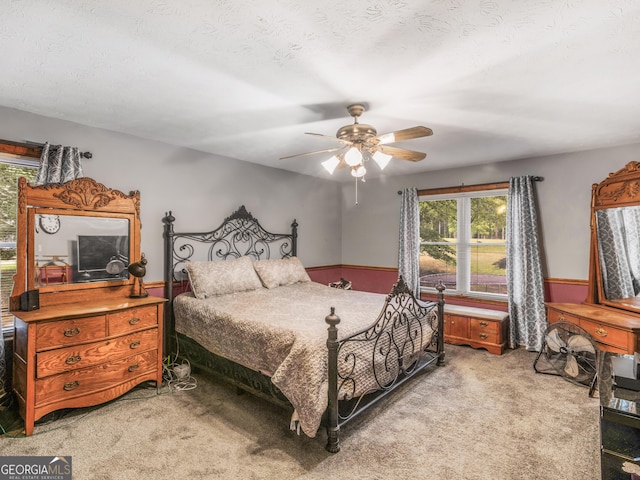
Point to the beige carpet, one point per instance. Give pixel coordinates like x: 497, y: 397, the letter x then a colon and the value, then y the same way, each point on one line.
x: 480, y: 417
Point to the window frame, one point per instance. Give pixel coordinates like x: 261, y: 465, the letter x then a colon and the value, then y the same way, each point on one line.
x: 22, y: 155
x: 463, y: 194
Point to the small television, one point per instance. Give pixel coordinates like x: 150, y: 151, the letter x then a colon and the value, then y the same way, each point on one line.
x: 97, y: 252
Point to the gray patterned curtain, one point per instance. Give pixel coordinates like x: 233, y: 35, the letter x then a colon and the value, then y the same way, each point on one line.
x: 409, y: 242
x: 58, y: 164
x: 619, y: 250
x: 525, y: 287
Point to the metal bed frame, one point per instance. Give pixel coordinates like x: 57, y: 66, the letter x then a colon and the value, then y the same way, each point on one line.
x: 396, y: 334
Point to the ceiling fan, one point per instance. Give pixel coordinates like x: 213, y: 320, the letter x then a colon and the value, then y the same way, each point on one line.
x: 360, y: 142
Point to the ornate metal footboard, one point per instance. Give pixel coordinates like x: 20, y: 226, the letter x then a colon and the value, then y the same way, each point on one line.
x: 407, y: 337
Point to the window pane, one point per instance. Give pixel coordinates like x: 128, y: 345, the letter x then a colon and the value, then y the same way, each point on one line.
x: 488, y: 267
x: 488, y: 250
x: 438, y: 265
x: 488, y: 218
x: 438, y: 220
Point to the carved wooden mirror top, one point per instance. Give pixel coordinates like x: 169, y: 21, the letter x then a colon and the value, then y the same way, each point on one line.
x: 615, y: 240
x: 73, y: 238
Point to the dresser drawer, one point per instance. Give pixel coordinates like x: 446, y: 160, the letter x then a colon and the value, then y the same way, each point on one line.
x: 69, y: 332
x: 81, y: 356
x: 606, y: 334
x: 132, y: 320
x: 485, y: 331
x: 558, y: 316
x: 93, y: 379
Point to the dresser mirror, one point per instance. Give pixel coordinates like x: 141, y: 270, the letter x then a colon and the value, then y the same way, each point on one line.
x: 615, y: 240
x: 72, y: 249
x: 75, y: 237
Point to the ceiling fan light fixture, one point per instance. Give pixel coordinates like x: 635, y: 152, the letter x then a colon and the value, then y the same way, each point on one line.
x: 358, y: 171
x: 353, y: 157
x: 382, y: 159
x: 331, y: 164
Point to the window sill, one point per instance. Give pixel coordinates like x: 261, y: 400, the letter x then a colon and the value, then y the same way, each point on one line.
x: 498, y: 300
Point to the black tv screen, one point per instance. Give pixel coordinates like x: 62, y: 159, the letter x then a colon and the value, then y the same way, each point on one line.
x: 96, y: 251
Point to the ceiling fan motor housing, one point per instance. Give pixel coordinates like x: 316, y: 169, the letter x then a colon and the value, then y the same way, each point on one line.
x: 357, y: 133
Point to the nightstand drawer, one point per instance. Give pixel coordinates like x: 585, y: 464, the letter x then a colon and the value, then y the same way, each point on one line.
x: 83, y: 356
x: 132, y: 320
x: 68, y: 332
x: 88, y: 380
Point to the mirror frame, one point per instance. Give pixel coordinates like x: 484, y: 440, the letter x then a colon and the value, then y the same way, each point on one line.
x: 82, y: 197
x: 619, y: 189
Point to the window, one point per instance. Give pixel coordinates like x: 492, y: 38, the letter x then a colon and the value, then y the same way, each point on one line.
x: 463, y: 242
x: 10, y: 170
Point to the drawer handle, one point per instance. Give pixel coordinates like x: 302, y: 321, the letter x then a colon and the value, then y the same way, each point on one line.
x: 134, y: 321
x: 601, y: 331
x: 73, y: 359
x: 71, y: 332
x: 133, y: 368
x: 484, y: 336
x: 483, y: 324
x: 135, y: 344
x: 561, y: 318
x: 71, y: 386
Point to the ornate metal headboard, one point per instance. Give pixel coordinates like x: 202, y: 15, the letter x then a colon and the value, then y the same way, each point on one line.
x: 240, y: 234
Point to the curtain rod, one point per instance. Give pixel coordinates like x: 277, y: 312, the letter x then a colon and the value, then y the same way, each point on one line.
x: 29, y: 146
x: 41, y: 145
x: 535, y: 179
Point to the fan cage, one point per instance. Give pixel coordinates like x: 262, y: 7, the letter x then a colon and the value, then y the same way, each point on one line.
x: 569, y: 351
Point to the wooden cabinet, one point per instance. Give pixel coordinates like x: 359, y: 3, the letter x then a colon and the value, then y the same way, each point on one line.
x: 83, y: 354
x: 614, y: 330
x: 476, y: 327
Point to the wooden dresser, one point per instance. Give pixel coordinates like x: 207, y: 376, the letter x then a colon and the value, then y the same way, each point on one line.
x: 84, y: 354
x: 614, y: 330
x: 94, y: 333
x: 476, y: 327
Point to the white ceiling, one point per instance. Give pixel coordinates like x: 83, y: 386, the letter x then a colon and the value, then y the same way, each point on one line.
x: 495, y: 79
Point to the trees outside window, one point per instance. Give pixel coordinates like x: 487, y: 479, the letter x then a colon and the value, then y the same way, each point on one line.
x: 463, y: 242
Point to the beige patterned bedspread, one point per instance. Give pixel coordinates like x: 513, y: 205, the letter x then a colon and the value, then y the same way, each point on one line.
x: 280, y: 332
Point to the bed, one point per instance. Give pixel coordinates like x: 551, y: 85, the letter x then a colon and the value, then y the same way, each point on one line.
x: 244, y: 309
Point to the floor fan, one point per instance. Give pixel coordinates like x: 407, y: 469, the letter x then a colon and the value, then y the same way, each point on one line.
x: 568, y: 350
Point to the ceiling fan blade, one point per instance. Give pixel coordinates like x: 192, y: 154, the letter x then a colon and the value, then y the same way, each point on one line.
x: 402, y: 153
x: 312, y: 153
x: 335, y: 139
x: 406, y: 134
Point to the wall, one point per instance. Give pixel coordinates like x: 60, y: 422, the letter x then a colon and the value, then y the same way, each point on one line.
x: 199, y: 188
x: 370, y: 229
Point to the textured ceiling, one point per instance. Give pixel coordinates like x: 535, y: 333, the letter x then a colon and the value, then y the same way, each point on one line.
x: 494, y: 79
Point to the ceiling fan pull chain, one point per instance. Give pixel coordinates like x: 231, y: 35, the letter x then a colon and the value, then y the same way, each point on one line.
x: 356, y: 191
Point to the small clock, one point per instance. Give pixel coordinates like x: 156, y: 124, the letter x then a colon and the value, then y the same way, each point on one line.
x: 50, y: 223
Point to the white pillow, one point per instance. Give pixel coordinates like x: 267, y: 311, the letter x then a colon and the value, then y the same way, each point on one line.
x: 282, y: 271
x: 208, y: 279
